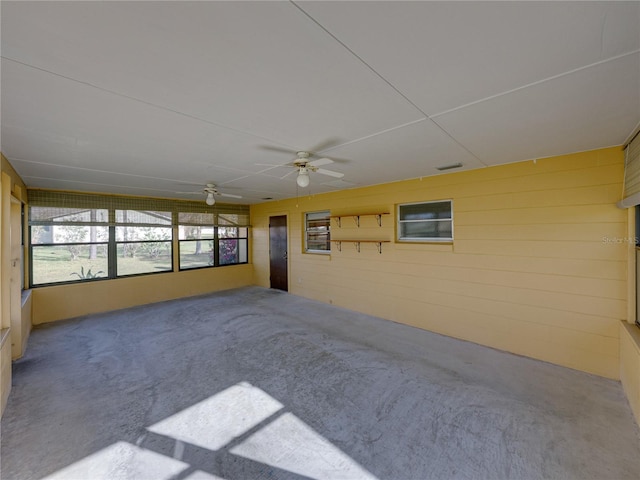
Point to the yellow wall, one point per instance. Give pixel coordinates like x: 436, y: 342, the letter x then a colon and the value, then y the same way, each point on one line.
x: 630, y: 365
x: 13, y: 331
x: 67, y: 301
x: 538, y: 266
x: 530, y: 270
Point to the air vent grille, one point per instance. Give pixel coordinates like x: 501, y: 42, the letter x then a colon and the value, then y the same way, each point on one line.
x: 449, y: 167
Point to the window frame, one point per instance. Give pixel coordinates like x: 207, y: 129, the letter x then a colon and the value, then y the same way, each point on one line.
x: 110, y: 239
x: 113, y: 236
x: 399, y: 222
x: 69, y: 223
x: 184, y: 241
x: 307, y: 231
x: 216, y: 239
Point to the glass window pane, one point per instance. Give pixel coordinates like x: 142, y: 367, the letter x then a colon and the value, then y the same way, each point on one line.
x: 196, y: 254
x: 318, y: 242
x: 243, y: 250
x: 317, y: 225
x: 426, y: 211
x: 227, y: 232
x: 228, y: 251
x: 42, y: 234
x: 143, y: 216
x: 192, y: 232
x: 138, y: 257
x: 69, y: 263
x: 317, y: 215
x: 317, y: 231
x: 426, y: 230
x: 127, y: 234
x: 232, y: 251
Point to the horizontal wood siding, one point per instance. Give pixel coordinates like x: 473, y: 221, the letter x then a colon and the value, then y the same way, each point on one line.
x: 630, y: 365
x: 538, y: 265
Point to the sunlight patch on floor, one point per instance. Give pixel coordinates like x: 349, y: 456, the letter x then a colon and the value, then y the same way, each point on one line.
x: 242, y: 414
x: 122, y: 461
x: 290, y: 444
x: 216, y: 421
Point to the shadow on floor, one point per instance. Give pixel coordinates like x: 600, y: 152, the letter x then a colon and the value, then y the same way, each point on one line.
x: 257, y: 383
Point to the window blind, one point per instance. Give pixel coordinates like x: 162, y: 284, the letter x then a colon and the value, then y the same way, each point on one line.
x: 224, y: 214
x: 631, y: 194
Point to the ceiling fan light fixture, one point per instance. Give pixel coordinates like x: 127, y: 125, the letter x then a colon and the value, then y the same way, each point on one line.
x: 303, y: 178
x: 210, y: 200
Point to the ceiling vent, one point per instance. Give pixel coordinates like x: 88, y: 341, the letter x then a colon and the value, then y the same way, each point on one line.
x: 449, y: 167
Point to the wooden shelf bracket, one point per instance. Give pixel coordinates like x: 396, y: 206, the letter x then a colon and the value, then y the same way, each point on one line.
x: 357, y: 244
x: 356, y: 218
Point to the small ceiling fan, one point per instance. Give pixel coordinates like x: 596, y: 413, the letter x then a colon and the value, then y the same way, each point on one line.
x: 303, y: 166
x: 211, y: 191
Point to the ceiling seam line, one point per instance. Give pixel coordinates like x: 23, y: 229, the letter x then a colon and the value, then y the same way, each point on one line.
x: 117, y: 173
x: 88, y: 183
x: 533, y: 84
x: 381, y: 132
x: 86, y: 169
x: 144, y: 102
x: 109, y: 184
x: 358, y: 57
x: 427, y: 116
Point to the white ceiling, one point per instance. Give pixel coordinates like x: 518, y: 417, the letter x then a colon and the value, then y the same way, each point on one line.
x: 149, y: 98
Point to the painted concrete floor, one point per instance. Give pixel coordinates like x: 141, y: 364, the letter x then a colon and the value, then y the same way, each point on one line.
x: 259, y: 384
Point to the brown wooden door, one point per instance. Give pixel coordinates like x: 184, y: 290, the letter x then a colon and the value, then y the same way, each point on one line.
x: 278, y: 252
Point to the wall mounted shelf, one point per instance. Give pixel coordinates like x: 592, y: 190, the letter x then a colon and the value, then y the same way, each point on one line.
x: 358, y: 242
x: 356, y: 217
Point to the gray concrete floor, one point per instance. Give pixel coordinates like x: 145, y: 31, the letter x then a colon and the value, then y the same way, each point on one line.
x: 258, y: 384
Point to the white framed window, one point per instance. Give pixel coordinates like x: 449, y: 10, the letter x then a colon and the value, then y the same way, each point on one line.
x: 317, y: 226
x: 425, y: 222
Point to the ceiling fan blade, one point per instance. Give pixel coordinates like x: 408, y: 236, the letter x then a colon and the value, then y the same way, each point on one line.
x: 331, y: 173
x: 328, y: 143
x: 199, y: 192
x: 230, y: 195
x: 271, y: 148
x: 268, y: 165
x: 292, y: 171
x: 320, y: 161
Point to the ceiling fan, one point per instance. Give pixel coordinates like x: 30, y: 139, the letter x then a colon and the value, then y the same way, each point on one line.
x: 303, y: 166
x: 211, y: 191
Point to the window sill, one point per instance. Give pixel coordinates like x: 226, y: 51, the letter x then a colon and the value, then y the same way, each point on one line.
x: 25, y: 296
x: 634, y: 334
